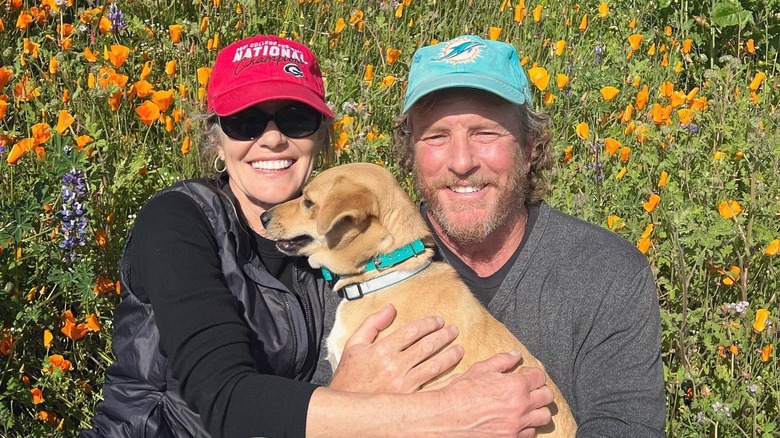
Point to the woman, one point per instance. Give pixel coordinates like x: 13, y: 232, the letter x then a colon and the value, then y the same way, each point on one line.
x: 218, y: 332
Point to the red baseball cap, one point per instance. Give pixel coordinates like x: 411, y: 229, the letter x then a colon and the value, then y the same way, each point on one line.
x: 263, y: 68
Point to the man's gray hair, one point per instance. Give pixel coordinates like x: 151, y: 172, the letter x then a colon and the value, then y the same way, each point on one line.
x: 534, y: 128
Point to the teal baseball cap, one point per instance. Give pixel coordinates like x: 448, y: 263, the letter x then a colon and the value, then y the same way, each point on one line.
x: 471, y: 62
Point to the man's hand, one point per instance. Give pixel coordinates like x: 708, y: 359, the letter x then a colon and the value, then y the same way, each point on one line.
x: 401, y: 362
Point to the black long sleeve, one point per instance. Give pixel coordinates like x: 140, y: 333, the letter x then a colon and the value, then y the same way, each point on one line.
x: 175, y: 265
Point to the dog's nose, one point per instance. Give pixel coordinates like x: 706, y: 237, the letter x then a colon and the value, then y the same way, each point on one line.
x: 265, y: 218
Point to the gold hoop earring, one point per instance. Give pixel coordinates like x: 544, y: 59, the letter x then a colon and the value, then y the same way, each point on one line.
x: 217, y: 169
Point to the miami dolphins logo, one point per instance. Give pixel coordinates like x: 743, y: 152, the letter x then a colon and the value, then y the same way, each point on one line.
x: 458, y: 51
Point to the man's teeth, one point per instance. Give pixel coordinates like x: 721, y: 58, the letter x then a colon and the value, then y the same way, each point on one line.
x: 272, y: 165
x: 469, y: 189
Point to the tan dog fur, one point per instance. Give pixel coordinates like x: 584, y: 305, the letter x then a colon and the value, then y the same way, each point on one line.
x: 358, y: 211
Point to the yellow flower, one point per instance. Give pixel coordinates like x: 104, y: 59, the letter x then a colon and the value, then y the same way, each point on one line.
x: 762, y: 315
x: 729, y: 209
x: 582, y: 130
x: 609, y: 92
x: 47, y: 338
x: 339, y: 26
x: 387, y: 81
x: 621, y: 173
x: 560, y: 46
x: 615, y: 223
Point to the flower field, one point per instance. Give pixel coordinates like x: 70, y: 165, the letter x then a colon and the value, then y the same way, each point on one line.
x: 666, y: 119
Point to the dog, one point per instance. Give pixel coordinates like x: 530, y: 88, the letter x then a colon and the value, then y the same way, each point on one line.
x: 356, y: 221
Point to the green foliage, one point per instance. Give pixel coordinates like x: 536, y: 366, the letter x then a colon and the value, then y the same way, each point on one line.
x: 710, y: 124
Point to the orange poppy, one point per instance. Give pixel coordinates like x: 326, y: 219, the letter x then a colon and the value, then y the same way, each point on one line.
x: 47, y: 338
x: 603, y: 10
x: 387, y: 81
x: 666, y: 89
x: 685, y: 115
x: 6, y: 345
x: 3, y: 108
x: 170, y: 67
x: 60, y: 362
x: 118, y: 55
x: 340, y: 23
x: 729, y: 209
x: 609, y: 92
x: 651, y: 204
x: 494, y: 33
x: 163, y: 99
x: 185, y: 145
x: 71, y: 329
x: 635, y: 40
x: 149, y: 112
x: 561, y: 80
x: 539, y: 77
x: 41, y: 132
x: 369, y: 74
x: 582, y: 130
x: 392, y: 55
x: 560, y: 46
x: 641, y: 98
x: 757, y: 80
x: 615, y: 223
x: 23, y: 20
x: 537, y: 13
x: 520, y: 12
x: 82, y: 141
x: 773, y: 248
x: 611, y: 146
x: 625, y: 153
x: 644, y: 244
x: 5, y: 76
x: 37, y: 396
x: 766, y: 352
x: 64, y: 120
x: 54, y: 65
x: 583, y: 23
x: 751, y: 46
x: 19, y: 149
x: 93, y: 323
x: 686, y: 45
x: 203, y: 75
x: 141, y: 89
x: 103, y: 285
x: 759, y: 324
x: 663, y: 179
x: 175, y: 31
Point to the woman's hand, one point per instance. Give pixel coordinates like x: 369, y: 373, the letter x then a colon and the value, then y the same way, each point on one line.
x: 400, y: 362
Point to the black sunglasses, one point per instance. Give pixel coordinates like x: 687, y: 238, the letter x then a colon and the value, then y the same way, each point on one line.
x: 294, y: 121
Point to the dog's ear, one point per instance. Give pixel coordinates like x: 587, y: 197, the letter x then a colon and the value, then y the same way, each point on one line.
x: 346, y: 200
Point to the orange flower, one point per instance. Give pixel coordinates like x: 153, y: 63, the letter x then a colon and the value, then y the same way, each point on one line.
x: 520, y: 12
x: 163, y: 99
x: 103, y: 285
x: 537, y: 13
x: 185, y: 145
x: 635, y: 40
x: 751, y: 46
x: 686, y: 45
x: 54, y: 65
x: 387, y: 81
x: 729, y: 209
x: 3, y: 109
x: 82, y: 141
x: 759, y: 324
x: 170, y: 67
x: 582, y: 130
x: 685, y: 115
x: 175, y: 32
x: 369, y: 74
x: 47, y: 338
x: 60, y: 362
x: 105, y: 25
x: 64, y: 120
x: 561, y: 80
x: 641, y: 98
x: 23, y: 20
x: 141, y: 89
x: 644, y: 244
x: 118, y: 55
x: 494, y: 33
x: 611, y: 146
x: 146, y: 70
x: 89, y: 55
x: 149, y: 112
x: 567, y: 154
x: 37, y: 396
x: 609, y: 92
x: 392, y: 55
x: 757, y: 80
x: 71, y: 329
x: 615, y: 223
x: 203, y: 75
x: 539, y: 77
x: 603, y: 10
x: 549, y: 98
x: 773, y: 248
x: 651, y: 203
x: 339, y: 26
x: 666, y: 89
x: 204, y: 24
x: 583, y: 23
x: 625, y: 153
x: 5, y: 76
x: 766, y: 353
x: 662, y: 180
x: 48, y: 417
x: 93, y: 323
x: 560, y: 46
x: 6, y: 344
x: 19, y: 149
x: 100, y: 238
x: 41, y: 133
x: 31, y: 48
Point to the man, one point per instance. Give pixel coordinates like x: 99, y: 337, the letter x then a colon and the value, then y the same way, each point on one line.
x: 581, y: 298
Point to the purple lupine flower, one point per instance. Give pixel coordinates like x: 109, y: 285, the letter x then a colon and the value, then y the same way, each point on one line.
x: 117, y: 18
x: 599, y: 51
x: 73, y: 212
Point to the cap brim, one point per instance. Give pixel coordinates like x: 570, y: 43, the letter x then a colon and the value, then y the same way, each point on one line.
x: 465, y: 80
x: 243, y: 97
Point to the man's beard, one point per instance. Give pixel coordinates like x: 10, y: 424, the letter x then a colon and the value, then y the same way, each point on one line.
x: 511, y: 199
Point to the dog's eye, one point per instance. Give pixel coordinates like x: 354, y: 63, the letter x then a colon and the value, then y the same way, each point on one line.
x: 307, y: 203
